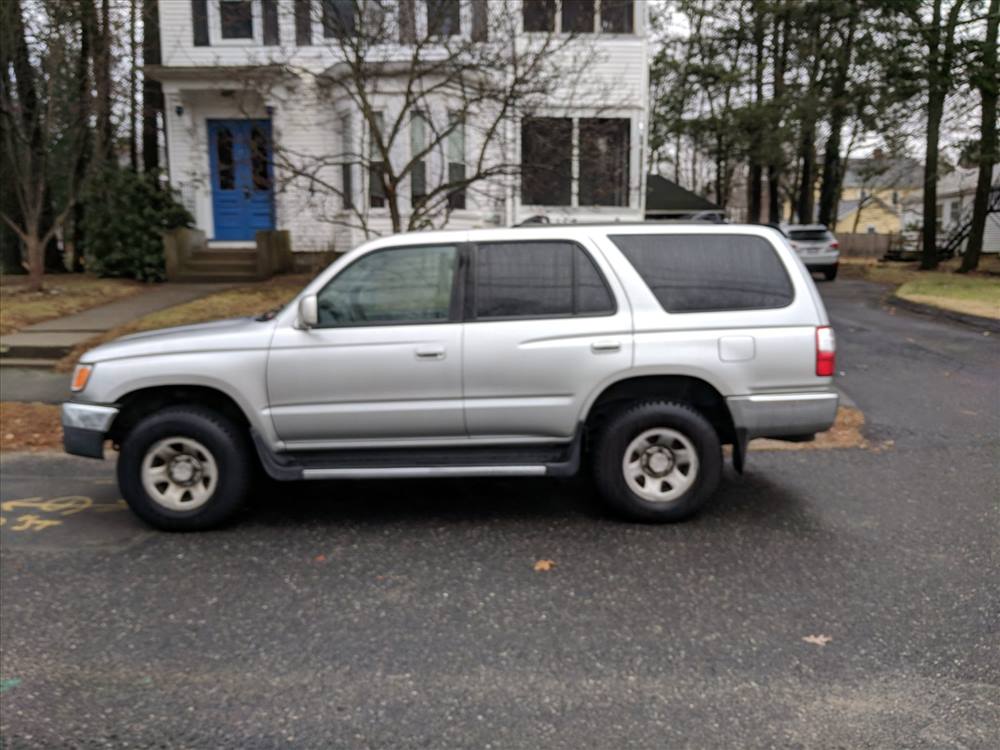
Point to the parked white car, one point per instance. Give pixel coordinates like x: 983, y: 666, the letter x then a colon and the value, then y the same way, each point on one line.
x: 639, y: 350
x: 817, y: 247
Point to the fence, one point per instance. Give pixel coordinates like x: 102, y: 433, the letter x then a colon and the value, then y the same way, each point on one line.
x: 864, y: 245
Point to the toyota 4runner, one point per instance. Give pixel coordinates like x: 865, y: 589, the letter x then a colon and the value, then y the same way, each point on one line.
x: 638, y: 350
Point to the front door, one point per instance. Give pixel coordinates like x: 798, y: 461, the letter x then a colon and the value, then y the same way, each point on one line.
x: 385, y: 361
x: 242, y: 176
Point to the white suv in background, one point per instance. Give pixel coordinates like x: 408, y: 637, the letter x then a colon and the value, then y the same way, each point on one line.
x: 639, y: 350
x: 817, y: 247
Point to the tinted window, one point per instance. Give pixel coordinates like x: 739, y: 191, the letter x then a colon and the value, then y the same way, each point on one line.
x: 691, y: 273
x: 236, y: 18
x: 809, y: 235
x: 537, y: 279
x: 405, y: 285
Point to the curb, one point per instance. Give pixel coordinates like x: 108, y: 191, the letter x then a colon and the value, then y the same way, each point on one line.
x: 974, y: 321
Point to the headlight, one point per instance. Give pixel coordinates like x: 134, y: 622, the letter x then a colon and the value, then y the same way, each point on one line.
x: 80, y: 377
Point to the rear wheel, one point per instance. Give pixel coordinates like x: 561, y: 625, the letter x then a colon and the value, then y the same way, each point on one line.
x: 184, y: 469
x: 831, y: 273
x: 658, y: 461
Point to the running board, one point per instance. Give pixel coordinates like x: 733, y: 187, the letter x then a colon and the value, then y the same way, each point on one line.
x: 558, y: 460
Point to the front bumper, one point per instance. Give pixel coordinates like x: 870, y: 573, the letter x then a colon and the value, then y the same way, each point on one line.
x: 783, y: 415
x: 85, y: 427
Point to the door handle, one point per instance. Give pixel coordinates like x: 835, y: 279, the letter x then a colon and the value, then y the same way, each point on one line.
x: 607, y: 345
x: 430, y: 352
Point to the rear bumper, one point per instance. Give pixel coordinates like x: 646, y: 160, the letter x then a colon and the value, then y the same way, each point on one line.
x: 820, y: 261
x: 85, y: 427
x: 783, y: 415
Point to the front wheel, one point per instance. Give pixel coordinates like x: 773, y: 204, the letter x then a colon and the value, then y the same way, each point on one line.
x: 184, y: 469
x: 658, y: 461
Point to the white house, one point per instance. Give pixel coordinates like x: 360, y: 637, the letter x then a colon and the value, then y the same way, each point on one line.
x: 956, y: 193
x: 244, y: 80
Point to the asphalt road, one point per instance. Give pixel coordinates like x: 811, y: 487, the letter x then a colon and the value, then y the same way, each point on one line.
x: 409, y: 614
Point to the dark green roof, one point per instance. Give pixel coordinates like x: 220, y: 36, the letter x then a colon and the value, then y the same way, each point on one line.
x: 665, y: 195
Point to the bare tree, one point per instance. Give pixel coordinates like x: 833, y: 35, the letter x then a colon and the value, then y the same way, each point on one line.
x: 438, y: 108
x: 42, y: 127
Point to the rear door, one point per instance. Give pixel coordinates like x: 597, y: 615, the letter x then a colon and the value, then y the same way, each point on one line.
x: 546, y: 322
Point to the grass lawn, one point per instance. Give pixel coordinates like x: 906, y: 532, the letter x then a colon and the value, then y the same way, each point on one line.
x: 975, y: 294
x: 64, y: 294
x: 251, y: 299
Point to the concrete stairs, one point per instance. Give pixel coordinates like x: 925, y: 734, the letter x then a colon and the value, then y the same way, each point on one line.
x: 227, y: 265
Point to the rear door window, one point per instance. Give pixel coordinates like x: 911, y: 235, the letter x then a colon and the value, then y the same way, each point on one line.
x: 537, y: 280
x: 702, y: 273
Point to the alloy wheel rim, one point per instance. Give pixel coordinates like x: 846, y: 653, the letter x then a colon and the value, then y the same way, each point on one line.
x: 179, y: 473
x: 660, y: 465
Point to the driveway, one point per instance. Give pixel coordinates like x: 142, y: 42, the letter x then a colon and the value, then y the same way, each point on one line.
x: 826, y: 599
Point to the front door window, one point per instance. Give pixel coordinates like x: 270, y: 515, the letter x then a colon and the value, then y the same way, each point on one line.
x: 392, y: 287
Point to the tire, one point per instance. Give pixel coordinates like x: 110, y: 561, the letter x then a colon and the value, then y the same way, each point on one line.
x: 831, y: 273
x: 662, y: 487
x: 185, y: 456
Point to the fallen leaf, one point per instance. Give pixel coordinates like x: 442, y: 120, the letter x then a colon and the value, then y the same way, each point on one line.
x: 817, y: 640
x: 543, y: 565
x: 319, y: 558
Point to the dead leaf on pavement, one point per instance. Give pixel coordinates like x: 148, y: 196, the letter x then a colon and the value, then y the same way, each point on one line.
x: 817, y: 640
x: 544, y: 565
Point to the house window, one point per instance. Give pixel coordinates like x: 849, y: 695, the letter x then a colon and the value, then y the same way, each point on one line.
x: 604, y: 162
x: 546, y: 161
x: 199, y: 22
x: 338, y: 18
x: 456, y: 162
x: 418, y: 172
x: 616, y: 16
x: 480, y: 20
x: 376, y: 168
x: 269, y: 17
x: 303, y: 22
x: 236, y: 19
x: 578, y: 16
x: 346, y: 165
x: 443, y: 18
x: 539, y: 15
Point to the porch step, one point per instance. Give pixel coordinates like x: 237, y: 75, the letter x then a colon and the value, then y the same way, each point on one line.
x: 206, y: 277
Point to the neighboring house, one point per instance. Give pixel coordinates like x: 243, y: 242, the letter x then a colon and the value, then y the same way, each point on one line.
x: 880, y: 195
x: 955, y: 195
x: 666, y: 200
x: 221, y: 134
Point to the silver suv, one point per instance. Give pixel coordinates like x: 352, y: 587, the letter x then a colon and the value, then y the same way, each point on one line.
x: 499, y: 352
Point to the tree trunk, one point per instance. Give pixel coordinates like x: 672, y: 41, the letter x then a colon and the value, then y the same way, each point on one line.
x: 152, y: 91
x: 83, y: 155
x: 830, y: 185
x: 102, y: 82
x: 36, y: 261
x: 133, y: 148
x: 935, y: 109
x: 987, y: 141
x: 806, y: 201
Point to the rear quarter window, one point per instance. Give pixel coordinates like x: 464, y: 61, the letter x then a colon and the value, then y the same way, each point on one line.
x: 703, y: 273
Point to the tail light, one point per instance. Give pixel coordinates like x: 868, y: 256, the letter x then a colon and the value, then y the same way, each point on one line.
x: 834, y: 244
x: 826, y: 350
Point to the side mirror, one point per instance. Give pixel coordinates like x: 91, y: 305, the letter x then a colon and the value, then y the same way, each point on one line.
x: 309, y: 311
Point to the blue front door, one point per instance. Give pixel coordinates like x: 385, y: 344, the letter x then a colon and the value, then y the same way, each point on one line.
x: 242, y: 177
